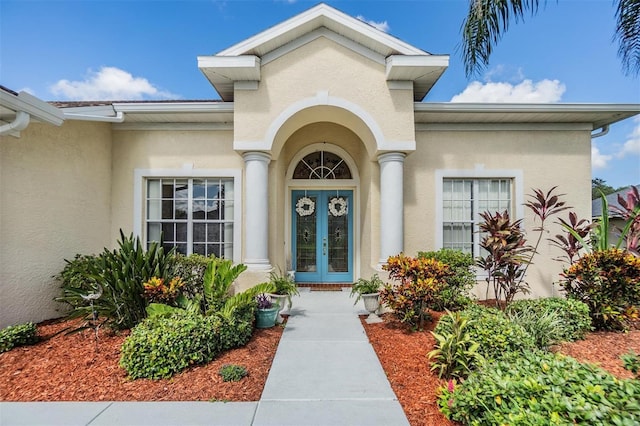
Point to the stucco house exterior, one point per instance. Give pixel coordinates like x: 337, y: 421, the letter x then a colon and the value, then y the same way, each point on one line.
x: 319, y: 156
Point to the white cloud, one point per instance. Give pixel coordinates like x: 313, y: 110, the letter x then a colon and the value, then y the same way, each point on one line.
x: 109, y: 83
x: 598, y: 160
x: 382, y: 26
x: 632, y: 145
x: 544, y: 91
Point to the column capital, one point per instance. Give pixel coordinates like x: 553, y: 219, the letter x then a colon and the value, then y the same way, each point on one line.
x: 391, y: 156
x: 257, y: 156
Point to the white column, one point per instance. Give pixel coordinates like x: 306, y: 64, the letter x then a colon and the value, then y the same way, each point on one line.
x: 391, y: 204
x: 256, y: 229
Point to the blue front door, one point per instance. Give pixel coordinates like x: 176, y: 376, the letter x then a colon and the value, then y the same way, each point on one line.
x: 322, y: 236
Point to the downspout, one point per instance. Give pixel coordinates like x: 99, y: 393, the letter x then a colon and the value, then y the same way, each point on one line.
x: 603, y: 131
x: 19, y: 123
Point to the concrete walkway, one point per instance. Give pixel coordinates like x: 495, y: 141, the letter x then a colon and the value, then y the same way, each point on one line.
x: 325, y: 372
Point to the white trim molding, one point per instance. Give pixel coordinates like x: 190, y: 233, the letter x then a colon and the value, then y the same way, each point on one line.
x: 352, y: 184
x: 187, y: 171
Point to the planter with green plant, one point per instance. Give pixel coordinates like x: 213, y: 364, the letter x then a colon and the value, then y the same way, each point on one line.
x: 266, y: 312
x: 285, y: 287
x: 369, y: 292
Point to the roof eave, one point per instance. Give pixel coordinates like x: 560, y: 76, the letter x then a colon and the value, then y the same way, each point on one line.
x: 36, y: 108
x: 318, y: 16
x: 422, y: 70
x: 223, y: 71
x: 598, y: 115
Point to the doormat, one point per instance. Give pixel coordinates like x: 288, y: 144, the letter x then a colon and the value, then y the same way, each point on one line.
x: 326, y: 287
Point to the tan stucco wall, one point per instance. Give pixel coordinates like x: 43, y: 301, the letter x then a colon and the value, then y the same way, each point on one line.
x: 54, y: 203
x: 164, y: 149
x: 546, y: 159
x: 323, y: 66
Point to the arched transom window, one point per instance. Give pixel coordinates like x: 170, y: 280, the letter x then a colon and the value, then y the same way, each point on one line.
x: 322, y: 165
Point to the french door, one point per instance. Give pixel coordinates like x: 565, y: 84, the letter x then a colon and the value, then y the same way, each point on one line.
x: 322, y: 235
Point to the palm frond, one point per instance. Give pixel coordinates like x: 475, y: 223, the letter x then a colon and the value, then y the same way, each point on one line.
x: 484, y: 26
x: 628, y: 35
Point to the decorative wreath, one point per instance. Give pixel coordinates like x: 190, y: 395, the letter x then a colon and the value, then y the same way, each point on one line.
x: 305, y: 206
x: 338, y: 206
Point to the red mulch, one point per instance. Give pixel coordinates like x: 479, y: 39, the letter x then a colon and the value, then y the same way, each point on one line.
x: 604, y: 349
x: 403, y: 356
x: 70, y: 368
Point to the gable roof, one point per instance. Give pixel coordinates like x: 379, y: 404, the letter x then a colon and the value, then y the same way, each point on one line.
x: 242, y: 61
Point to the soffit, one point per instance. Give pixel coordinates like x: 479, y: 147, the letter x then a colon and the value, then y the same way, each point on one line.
x: 598, y: 115
x: 152, y: 112
x: 178, y: 112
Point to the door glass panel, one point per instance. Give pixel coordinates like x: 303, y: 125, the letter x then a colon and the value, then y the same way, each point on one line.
x: 338, y: 234
x: 306, y: 233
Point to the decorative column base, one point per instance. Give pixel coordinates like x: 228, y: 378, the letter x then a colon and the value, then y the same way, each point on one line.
x: 258, y: 264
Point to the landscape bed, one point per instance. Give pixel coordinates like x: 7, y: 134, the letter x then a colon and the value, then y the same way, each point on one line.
x: 72, y: 368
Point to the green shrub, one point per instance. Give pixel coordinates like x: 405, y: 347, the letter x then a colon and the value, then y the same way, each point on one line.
x: 631, y: 362
x: 537, y: 388
x: 18, y: 335
x: 454, y: 294
x: 162, y: 346
x: 76, y: 278
x: 418, y: 281
x: 608, y: 281
x: 191, y: 269
x: 238, y: 325
x: 232, y: 373
x: 573, y: 315
x: 496, y: 335
x: 454, y: 352
x: 117, y: 277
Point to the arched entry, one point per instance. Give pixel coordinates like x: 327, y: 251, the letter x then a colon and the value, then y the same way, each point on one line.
x: 322, y: 185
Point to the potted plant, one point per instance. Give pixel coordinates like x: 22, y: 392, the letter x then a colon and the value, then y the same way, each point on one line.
x: 285, y: 288
x: 266, y: 312
x: 368, y: 291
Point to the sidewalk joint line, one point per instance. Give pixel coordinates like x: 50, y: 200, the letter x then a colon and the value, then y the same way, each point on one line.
x: 100, y: 413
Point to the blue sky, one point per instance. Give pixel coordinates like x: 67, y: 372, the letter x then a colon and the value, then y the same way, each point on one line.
x: 101, y: 49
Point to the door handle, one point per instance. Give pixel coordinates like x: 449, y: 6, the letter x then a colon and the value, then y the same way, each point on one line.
x: 324, y: 246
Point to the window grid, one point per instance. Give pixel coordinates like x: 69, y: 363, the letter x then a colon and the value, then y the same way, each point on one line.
x: 463, y: 201
x: 192, y: 215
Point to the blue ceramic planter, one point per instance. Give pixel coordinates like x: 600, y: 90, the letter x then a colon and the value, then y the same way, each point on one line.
x: 266, y: 318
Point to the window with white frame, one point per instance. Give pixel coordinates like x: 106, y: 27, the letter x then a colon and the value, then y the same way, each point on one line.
x: 462, y: 202
x: 194, y: 215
